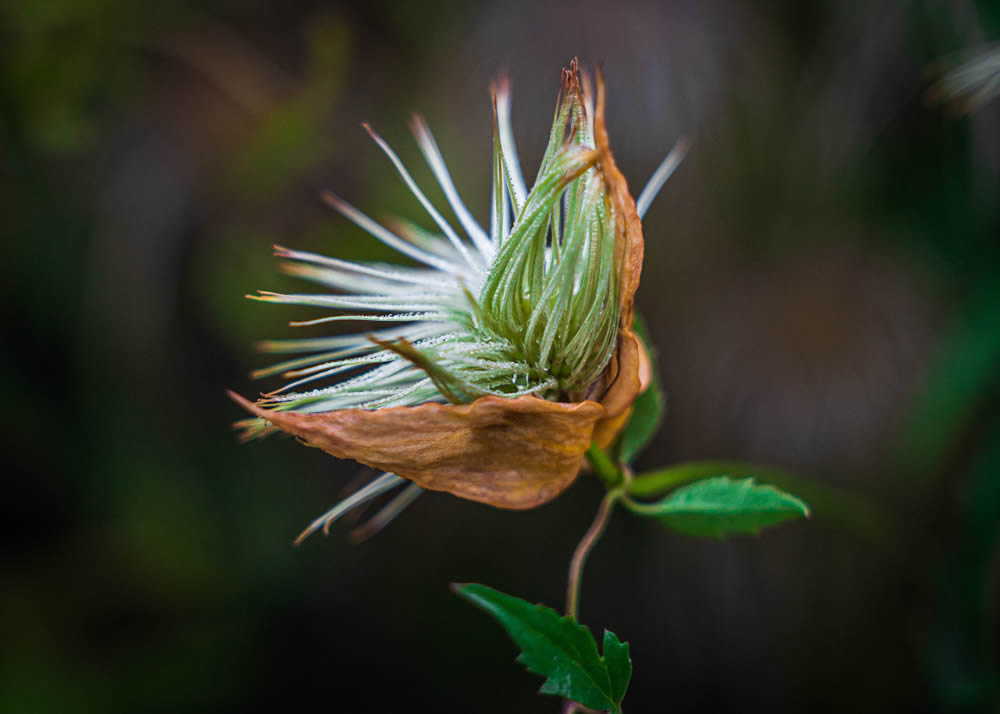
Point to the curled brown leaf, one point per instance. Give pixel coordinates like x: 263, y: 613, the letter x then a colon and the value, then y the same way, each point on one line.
x: 629, y: 245
x: 621, y: 382
x: 509, y: 453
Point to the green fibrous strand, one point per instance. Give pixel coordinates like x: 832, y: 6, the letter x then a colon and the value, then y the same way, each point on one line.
x: 529, y: 307
x: 546, y: 318
x: 552, y: 291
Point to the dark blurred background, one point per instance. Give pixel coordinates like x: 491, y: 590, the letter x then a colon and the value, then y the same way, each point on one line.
x: 821, y: 283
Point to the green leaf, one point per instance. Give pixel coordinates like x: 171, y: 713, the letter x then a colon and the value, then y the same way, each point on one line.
x: 619, y: 664
x: 841, y: 508
x: 647, y: 411
x: 718, y: 506
x: 559, y: 648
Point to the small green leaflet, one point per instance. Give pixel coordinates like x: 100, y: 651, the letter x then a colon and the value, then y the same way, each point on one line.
x: 718, y: 506
x: 559, y: 648
x: 647, y: 411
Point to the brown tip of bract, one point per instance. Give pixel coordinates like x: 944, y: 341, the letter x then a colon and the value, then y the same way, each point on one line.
x: 418, y: 125
x: 629, y: 246
x: 587, y: 83
x: 500, y: 84
x: 571, y: 78
x: 620, y: 384
x: 243, y: 424
x: 245, y: 403
x: 372, y: 133
x: 330, y: 199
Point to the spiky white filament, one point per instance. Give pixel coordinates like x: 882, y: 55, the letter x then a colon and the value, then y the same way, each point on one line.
x: 428, y: 206
x: 663, y: 172
x: 388, y: 512
x: 385, y: 482
x: 541, y: 283
x: 429, y: 147
x: 386, y: 236
x: 508, y: 149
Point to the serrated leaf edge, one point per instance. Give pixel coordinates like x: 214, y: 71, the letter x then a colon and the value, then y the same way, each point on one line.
x: 461, y: 589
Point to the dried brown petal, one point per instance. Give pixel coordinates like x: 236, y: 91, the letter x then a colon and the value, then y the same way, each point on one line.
x: 620, y: 384
x: 509, y: 453
x: 629, y: 244
x: 607, y: 429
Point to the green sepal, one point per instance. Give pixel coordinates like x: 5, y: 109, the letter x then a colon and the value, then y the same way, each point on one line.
x: 719, y: 506
x: 559, y: 648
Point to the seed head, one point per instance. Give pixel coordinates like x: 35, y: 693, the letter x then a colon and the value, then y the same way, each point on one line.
x: 509, y: 351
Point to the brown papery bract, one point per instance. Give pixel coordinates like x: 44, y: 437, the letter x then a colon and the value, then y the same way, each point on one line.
x: 510, y: 453
x: 622, y: 380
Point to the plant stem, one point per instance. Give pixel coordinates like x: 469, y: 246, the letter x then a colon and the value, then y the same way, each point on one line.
x: 604, y: 467
x: 643, y: 509
x: 583, y: 549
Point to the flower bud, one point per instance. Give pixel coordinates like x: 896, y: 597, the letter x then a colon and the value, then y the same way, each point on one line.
x: 509, y: 351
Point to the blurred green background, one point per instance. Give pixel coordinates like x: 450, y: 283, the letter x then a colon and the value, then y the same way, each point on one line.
x: 821, y: 283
